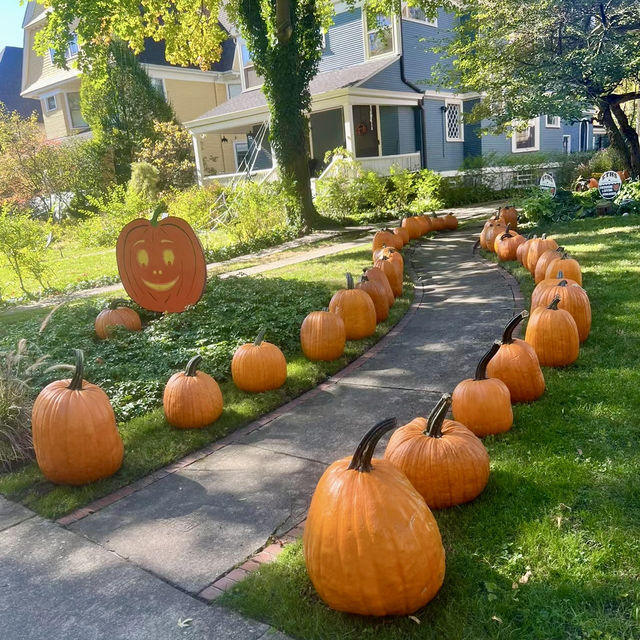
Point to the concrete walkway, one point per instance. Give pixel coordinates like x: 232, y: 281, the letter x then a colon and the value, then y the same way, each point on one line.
x: 136, y: 567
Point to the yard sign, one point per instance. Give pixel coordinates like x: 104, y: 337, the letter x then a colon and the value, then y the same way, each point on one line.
x: 548, y: 183
x: 609, y: 185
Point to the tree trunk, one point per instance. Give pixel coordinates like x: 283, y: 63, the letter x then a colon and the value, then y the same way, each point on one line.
x: 297, y: 172
x: 631, y: 138
x: 615, y: 137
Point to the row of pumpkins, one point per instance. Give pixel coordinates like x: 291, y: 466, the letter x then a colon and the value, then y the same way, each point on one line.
x: 371, y: 544
x: 76, y: 440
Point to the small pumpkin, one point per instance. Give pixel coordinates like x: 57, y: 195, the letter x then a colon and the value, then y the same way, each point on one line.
x: 593, y: 183
x: 483, y: 404
x: 393, y: 273
x: 574, y: 299
x: 537, y: 248
x: 493, y: 232
x: 489, y: 224
x: 516, y: 364
x: 451, y: 222
x: 403, y: 234
x: 116, y: 315
x: 75, y: 436
x: 371, y: 544
x: 323, y: 336
x: 544, y: 261
x: 509, y: 215
x: 356, y: 309
x: 444, y: 460
x: 258, y: 366
x: 373, y: 273
x: 378, y: 297
x: 507, y: 243
x: 192, y: 399
x: 412, y: 226
x: 568, y: 266
x: 553, y: 333
x: 550, y: 282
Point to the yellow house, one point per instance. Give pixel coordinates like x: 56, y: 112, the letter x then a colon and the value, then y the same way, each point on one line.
x: 190, y: 91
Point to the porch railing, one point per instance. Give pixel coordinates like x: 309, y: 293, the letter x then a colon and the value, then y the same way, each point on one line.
x: 259, y: 175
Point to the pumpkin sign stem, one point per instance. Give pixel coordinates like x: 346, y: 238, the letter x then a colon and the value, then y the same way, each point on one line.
x: 554, y: 304
x: 76, y: 381
x: 507, y: 335
x: 156, y: 214
x: 192, y: 365
x: 260, y: 337
x: 481, y: 369
x: 436, y: 417
x: 361, y: 460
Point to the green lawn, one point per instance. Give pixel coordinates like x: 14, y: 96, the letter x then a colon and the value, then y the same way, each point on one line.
x: 551, y: 549
x: 133, y: 367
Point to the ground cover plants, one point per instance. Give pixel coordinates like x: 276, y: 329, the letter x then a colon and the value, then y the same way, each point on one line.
x: 133, y: 367
x: 550, y: 549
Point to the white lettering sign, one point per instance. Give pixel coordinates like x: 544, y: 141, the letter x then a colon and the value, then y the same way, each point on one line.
x: 609, y: 185
x: 548, y: 183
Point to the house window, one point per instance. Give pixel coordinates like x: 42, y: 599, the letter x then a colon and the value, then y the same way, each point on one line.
x: 251, y: 78
x: 416, y: 14
x: 241, y: 149
x: 52, y: 103
x: 75, y: 113
x: 527, y: 139
x: 552, y: 122
x: 584, y: 135
x: 158, y: 85
x: 453, y: 122
x: 379, y: 36
x: 323, y: 40
x: 566, y: 143
x: 71, y: 50
x: 233, y: 90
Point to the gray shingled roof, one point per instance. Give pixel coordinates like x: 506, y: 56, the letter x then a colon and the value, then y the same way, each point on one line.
x: 322, y: 83
x: 11, y: 83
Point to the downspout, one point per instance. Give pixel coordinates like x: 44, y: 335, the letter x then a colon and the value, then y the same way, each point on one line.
x: 421, y: 121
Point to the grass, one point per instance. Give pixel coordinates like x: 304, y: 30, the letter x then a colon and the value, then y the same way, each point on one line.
x: 551, y: 549
x: 134, y: 367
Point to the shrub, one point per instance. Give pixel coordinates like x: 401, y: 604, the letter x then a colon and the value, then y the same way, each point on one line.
x: 606, y: 160
x: 199, y: 206
x: 401, y: 189
x: 628, y: 200
x: 428, y: 185
x: 540, y: 206
x: 144, y: 181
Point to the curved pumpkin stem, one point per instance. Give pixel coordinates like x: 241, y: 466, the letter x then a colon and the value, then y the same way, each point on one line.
x: 260, y: 337
x: 363, y: 278
x: 192, y: 365
x: 507, y: 334
x: 507, y: 232
x: 117, y: 302
x: 76, y: 381
x: 156, y: 214
x: 554, y: 304
x: 481, y: 369
x: 361, y: 460
x: 349, y: 280
x: 436, y: 417
x: 562, y: 283
x: 544, y: 236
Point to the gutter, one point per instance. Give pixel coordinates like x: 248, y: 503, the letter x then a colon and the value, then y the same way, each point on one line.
x: 422, y: 124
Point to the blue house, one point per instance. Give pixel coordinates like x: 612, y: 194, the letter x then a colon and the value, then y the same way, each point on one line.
x: 372, y: 95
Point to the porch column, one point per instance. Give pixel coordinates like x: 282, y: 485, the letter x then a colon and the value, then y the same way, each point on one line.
x: 197, y: 152
x: 348, y: 128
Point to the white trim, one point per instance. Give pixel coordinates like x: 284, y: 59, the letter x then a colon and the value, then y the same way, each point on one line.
x: 395, y: 45
x: 536, y: 147
x: 230, y: 84
x: 193, y: 75
x: 235, y: 151
x: 431, y: 94
x: 459, y: 103
x: 426, y: 22
x: 71, y: 126
x: 568, y: 136
x: 552, y: 126
x: 162, y: 85
x: 46, y: 103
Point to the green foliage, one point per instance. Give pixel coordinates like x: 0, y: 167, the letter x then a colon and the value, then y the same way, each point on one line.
x: 606, y: 160
x: 428, y: 184
x: 144, y: 181
x: 400, y: 189
x: 629, y: 199
x: 199, y: 206
x: 540, y: 206
x: 121, y: 105
x: 22, y: 245
x: 170, y: 151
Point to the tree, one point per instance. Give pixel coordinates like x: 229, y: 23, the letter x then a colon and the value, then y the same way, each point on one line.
x: 120, y: 104
x: 283, y: 36
x: 556, y: 57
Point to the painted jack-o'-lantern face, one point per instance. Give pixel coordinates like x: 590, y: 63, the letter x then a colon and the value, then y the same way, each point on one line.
x: 161, y: 263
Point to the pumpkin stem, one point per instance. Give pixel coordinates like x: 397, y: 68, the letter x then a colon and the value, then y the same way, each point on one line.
x: 544, y: 236
x: 507, y: 335
x: 554, y: 303
x: 507, y: 233
x: 481, y: 369
x: 349, y: 280
x: 260, y: 337
x: 564, y: 255
x: 117, y: 302
x: 363, y: 278
x: 436, y: 417
x: 325, y: 309
x: 562, y: 283
x: 361, y: 460
x: 192, y: 365
x: 76, y: 381
x: 156, y: 213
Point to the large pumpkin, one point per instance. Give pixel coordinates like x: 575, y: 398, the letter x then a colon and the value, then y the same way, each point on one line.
x: 161, y: 263
x: 371, y: 544
x: 116, y: 315
x: 444, y: 461
x: 509, y: 215
x: 523, y: 249
x: 378, y: 297
x: 489, y: 224
x: 451, y: 222
x: 507, y: 243
x: 412, y: 226
x: 548, y: 282
x: 403, y: 234
x: 537, y: 248
x: 544, y: 261
x: 75, y: 437
x: 516, y: 364
x: 553, y: 333
x: 258, y: 366
x: 386, y: 238
x: 393, y: 272
x: 568, y: 266
x: 192, y: 399
x: 492, y: 233
x: 322, y: 335
x: 373, y: 273
x: 356, y: 309
x: 483, y: 404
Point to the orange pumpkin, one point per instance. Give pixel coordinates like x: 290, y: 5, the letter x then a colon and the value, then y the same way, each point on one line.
x: 493, y: 232
x: 412, y: 226
x: 322, y: 336
x: 553, y: 333
x: 437, y: 223
x: 507, y: 243
x: 393, y: 273
x: 378, y: 297
x: 568, y: 266
x: 550, y: 282
x: 403, y: 234
x: 384, y: 250
x: 192, y: 399
x: 75, y: 436
x: 593, y: 183
x: 116, y: 315
x: 444, y: 461
x: 258, y: 366
x: 373, y: 273
x: 509, y: 215
x: 516, y: 364
x: 356, y: 309
x: 544, y: 261
x: 523, y: 249
x: 483, y: 404
x: 161, y: 263
x: 451, y: 222
x: 371, y: 544
x: 386, y: 238
x: 537, y: 248
x: 489, y: 224
x: 574, y: 299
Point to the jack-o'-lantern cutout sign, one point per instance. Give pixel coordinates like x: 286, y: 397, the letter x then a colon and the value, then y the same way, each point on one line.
x: 161, y: 263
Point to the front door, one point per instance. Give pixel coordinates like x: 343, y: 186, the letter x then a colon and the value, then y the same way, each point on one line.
x: 365, y: 127
x: 584, y: 135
